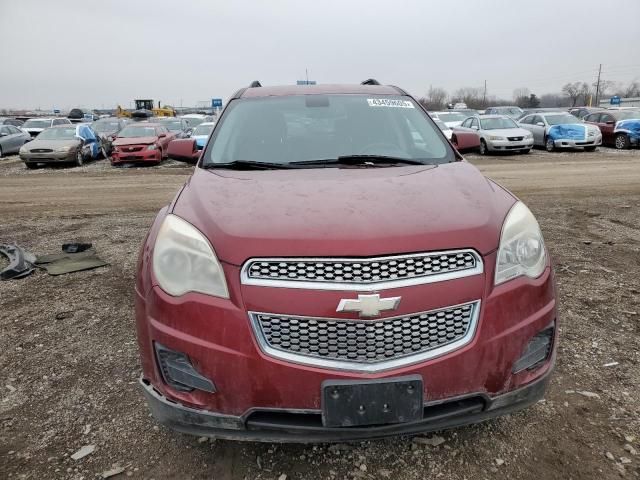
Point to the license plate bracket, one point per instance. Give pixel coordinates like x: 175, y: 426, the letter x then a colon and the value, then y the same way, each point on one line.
x: 353, y: 403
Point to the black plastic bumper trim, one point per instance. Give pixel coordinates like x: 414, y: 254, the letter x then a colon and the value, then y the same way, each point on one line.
x: 254, y: 427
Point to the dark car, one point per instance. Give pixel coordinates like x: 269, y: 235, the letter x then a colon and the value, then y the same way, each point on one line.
x: 620, y: 128
x: 333, y: 271
x: 108, y: 129
x: 176, y: 125
x: 11, y: 121
x: 78, y: 115
x: 581, y: 112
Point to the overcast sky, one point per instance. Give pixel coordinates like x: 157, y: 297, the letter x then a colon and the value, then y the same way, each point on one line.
x: 95, y: 53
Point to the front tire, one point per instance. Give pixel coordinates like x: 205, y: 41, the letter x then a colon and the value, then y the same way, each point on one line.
x: 526, y: 151
x: 483, y: 147
x: 550, y: 145
x: 0, y: 151
x: 31, y: 166
x: 79, y: 158
x: 589, y: 149
x: 622, y: 141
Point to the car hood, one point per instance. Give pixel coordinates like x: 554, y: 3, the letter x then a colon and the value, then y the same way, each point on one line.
x: 51, y: 144
x: 135, y: 141
x: 507, y: 132
x: 345, y: 211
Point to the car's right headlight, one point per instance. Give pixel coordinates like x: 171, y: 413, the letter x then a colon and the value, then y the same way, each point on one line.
x: 495, y: 137
x: 521, y: 250
x: 183, y: 261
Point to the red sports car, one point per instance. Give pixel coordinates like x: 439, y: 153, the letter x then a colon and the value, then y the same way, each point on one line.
x: 141, y: 142
x: 334, y: 270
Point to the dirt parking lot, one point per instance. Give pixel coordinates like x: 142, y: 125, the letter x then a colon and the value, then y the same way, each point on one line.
x: 69, y: 364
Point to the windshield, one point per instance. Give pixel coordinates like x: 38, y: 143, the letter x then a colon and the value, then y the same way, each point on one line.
x: 37, y: 124
x: 202, y: 130
x: 563, y: 119
x: 451, y: 117
x: 497, y: 123
x: 137, y: 131
x: 105, y: 126
x: 68, y: 133
x: 281, y: 130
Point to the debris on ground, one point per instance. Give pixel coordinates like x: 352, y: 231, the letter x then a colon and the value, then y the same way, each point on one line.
x: 62, y: 263
x: 113, y: 472
x: 83, y: 452
x: 20, y: 262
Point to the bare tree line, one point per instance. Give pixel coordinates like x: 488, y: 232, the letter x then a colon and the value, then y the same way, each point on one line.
x: 572, y: 94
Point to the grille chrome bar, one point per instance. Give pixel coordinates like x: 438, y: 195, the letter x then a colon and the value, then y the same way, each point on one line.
x: 362, y: 274
x: 366, y: 345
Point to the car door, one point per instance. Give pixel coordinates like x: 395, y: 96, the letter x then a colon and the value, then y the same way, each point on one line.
x: 18, y: 137
x: 538, y: 130
x: 526, y: 122
x: 607, y: 123
x: 5, y: 140
x: 163, y: 141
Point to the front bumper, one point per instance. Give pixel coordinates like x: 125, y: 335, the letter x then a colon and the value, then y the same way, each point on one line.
x: 564, y: 143
x: 506, y: 145
x: 48, y: 157
x: 143, y: 155
x: 289, y: 426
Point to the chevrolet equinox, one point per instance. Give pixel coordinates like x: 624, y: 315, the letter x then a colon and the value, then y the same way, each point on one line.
x: 334, y: 270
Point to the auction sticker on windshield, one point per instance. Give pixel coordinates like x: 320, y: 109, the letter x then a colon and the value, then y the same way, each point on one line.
x: 386, y: 102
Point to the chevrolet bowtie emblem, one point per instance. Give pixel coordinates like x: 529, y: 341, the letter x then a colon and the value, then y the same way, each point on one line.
x: 368, y: 305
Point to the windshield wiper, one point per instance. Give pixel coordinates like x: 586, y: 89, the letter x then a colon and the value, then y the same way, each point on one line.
x: 360, y: 160
x: 247, y: 165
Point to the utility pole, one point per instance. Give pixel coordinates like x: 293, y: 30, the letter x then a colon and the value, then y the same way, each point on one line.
x: 598, y: 87
x: 484, y: 95
x: 306, y: 71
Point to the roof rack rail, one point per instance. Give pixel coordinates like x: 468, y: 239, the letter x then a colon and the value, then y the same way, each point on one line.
x: 370, y: 81
x: 255, y: 84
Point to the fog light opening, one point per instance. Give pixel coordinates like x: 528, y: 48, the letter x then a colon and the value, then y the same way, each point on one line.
x: 178, y: 372
x: 536, y: 352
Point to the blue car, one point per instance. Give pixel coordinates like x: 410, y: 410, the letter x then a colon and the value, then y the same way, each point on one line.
x: 201, y: 134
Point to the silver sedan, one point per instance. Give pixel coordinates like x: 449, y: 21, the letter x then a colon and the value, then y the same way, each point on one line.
x: 498, y: 133
x: 554, y: 130
x: 11, y: 139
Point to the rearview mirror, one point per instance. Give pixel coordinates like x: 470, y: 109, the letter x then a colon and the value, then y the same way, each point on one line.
x: 540, y: 124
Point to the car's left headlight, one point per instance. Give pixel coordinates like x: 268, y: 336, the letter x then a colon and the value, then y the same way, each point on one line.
x: 528, y: 136
x: 492, y: 137
x: 63, y: 149
x: 184, y: 261
x: 151, y: 147
x: 521, y: 249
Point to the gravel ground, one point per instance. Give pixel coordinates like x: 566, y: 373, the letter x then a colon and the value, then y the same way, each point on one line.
x: 68, y: 361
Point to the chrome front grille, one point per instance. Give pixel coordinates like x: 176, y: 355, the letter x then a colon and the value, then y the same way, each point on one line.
x: 372, y: 345
x: 345, y: 273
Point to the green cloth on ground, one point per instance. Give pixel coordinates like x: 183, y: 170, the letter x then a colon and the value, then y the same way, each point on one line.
x: 61, y: 263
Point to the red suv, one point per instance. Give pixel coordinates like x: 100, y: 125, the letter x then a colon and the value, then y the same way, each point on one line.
x: 334, y: 270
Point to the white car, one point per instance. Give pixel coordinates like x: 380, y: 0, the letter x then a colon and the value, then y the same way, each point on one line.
x: 498, y: 133
x: 34, y: 126
x: 195, y: 119
x: 450, y: 119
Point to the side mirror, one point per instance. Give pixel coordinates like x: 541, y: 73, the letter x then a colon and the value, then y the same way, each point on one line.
x: 610, y: 122
x: 475, y: 127
x: 540, y: 124
x: 162, y: 135
x: 3, y: 134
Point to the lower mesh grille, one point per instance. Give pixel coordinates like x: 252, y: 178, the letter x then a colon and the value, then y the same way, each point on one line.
x: 329, y: 342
